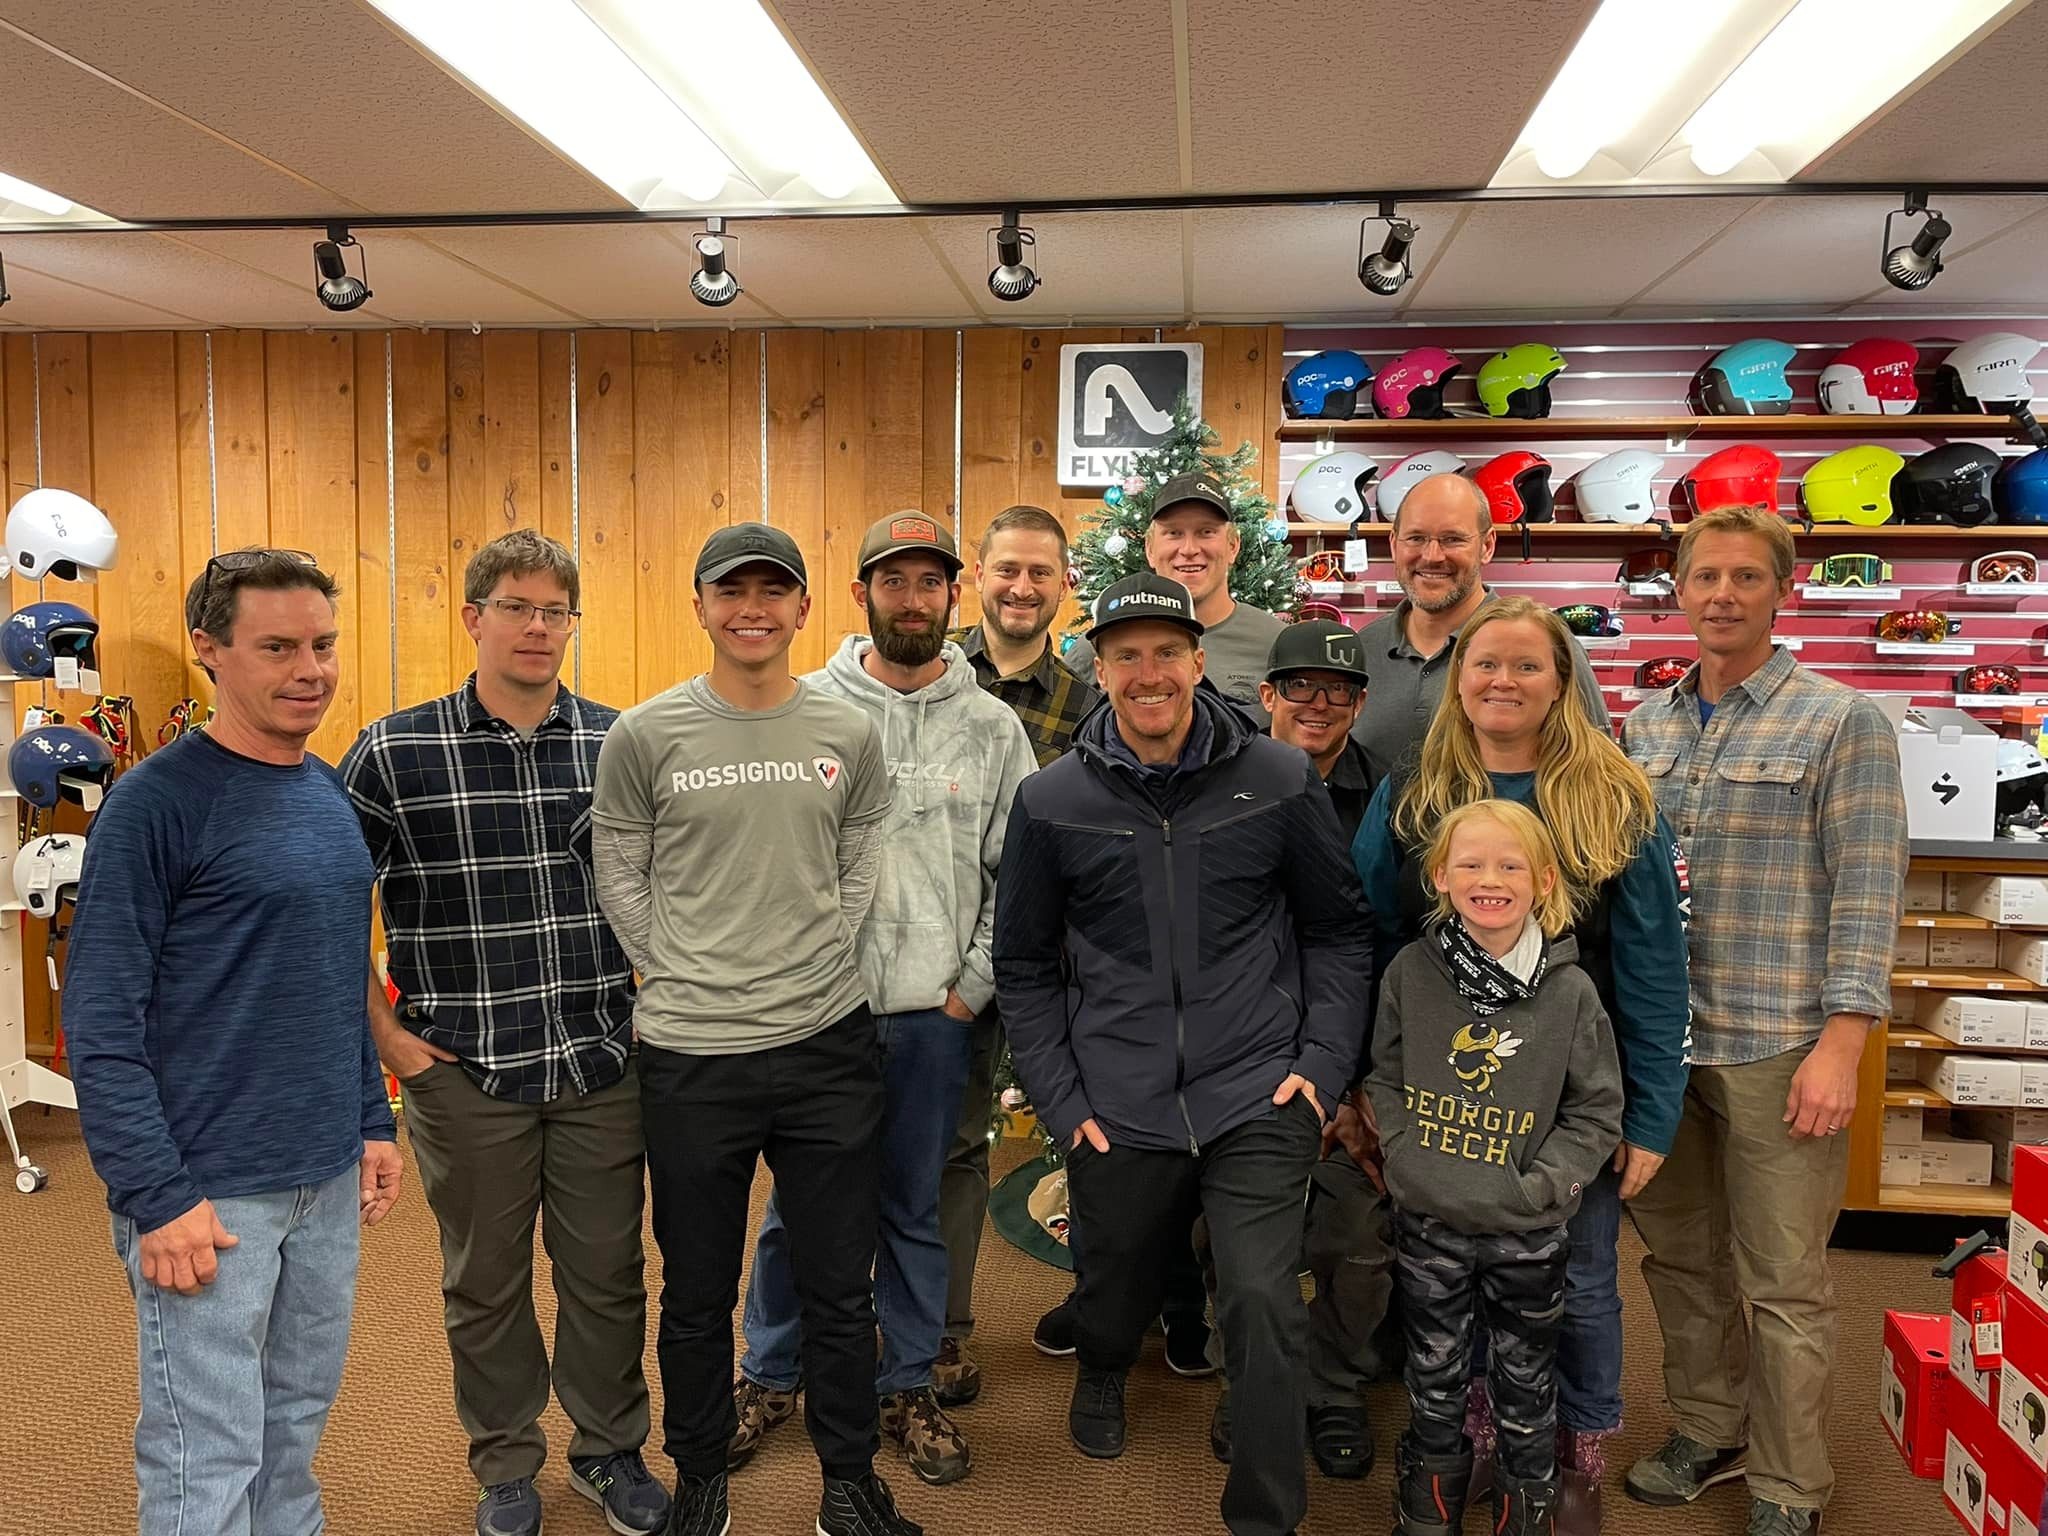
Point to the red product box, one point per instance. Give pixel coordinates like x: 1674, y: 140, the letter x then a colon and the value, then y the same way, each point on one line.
x: 1976, y: 1460
x: 2027, y: 1240
x: 1975, y: 1343
x: 1913, y: 1388
x: 2023, y: 1415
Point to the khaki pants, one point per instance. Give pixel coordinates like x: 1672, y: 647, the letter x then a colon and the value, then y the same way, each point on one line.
x: 1741, y: 1212
x: 489, y: 1167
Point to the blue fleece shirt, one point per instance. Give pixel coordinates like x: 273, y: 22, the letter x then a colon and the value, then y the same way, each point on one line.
x: 215, y: 988
x: 1650, y: 1008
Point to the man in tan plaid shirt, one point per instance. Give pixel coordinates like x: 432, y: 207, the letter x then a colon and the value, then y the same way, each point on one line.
x: 1784, y: 789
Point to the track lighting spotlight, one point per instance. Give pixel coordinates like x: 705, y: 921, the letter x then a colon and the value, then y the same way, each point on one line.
x: 1386, y: 271
x: 333, y: 285
x: 1011, y: 279
x: 3, y: 280
x: 1914, y: 266
x: 713, y: 283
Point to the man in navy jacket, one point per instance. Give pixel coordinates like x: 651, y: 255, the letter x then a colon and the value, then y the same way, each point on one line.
x: 1182, y: 961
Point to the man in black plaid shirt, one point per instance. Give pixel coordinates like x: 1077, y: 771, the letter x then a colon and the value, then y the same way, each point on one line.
x: 513, y: 1041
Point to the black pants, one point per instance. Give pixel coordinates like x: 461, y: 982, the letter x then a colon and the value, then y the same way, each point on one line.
x: 1133, y: 1209
x: 1349, y: 1246
x: 1515, y: 1280
x: 813, y: 1110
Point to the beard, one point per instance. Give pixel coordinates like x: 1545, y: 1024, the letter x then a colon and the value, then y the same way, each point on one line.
x: 1021, y: 629
x: 1459, y: 591
x: 906, y: 648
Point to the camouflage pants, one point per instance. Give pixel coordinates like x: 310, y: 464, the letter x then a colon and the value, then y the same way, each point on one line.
x: 1514, y: 1282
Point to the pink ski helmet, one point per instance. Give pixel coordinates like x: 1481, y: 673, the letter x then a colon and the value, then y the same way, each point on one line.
x: 1413, y: 384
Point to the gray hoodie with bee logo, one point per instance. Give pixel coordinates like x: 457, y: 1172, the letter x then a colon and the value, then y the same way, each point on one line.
x: 1493, y: 1122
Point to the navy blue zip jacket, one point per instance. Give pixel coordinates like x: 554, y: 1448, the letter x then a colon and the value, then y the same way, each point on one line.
x: 1170, y: 945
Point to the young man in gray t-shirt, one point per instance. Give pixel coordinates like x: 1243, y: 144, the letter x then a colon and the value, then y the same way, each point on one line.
x: 738, y: 822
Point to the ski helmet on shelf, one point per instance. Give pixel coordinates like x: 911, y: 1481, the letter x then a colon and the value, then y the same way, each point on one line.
x: 46, y: 872
x: 1407, y: 473
x: 1949, y: 484
x: 35, y: 636
x: 1517, y: 487
x: 1986, y: 375
x: 1413, y: 384
x: 57, y: 762
x: 1332, y: 489
x: 2021, y: 490
x: 54, y: 533
x: 1616, y: 488
x: 1740, y: 475
x: 2019, y: 760
x: 1326, y: 385
x: 1853, y: 486
x: 1747, y: 379
x: 1871, y: 377
x: 1517, y: 382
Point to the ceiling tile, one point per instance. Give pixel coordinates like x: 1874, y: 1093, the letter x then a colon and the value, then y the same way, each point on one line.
x: 164, y: 272
x: 2010, y: 268
x: 849, y: 270
x: 1124, y: 266
x: 41, y: 301
x: 615, y: 274
x: 1289, y: 263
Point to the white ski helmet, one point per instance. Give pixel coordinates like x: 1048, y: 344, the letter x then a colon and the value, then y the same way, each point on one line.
x: 1987, y: 374
x: 1332, y: 489
x: 1616, y: 489
x: 1397, y: 482
x: 46, y: 872
x: 2016, y: 760
x: 55, y: 533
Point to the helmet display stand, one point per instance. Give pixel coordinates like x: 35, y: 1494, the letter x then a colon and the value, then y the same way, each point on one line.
x: 21, y: 1081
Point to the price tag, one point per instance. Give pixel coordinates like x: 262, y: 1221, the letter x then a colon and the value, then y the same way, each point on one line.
x: 51, y: 962
x: 67, y: 674
x: 39, y: 874
x: 1357, y: 558
x: 34, y: 717
x: 1987, y: 1344
x: 89, y: 796
x: 88, y: 680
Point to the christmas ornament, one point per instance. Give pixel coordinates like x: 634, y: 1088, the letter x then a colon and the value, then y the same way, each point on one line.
x: 1276, y: 529
x: 1115, y: 545
x: 1134, y: 485
x: 1114, y: 495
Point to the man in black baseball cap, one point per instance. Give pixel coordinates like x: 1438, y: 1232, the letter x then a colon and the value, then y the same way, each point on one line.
x: 1314, y: 689
x: 740, y: 544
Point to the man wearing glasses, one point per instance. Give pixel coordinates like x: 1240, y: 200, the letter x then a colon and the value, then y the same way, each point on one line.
x: 512, y: 1037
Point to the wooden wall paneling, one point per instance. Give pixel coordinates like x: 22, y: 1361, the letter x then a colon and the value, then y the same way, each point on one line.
x: 17, y: 362
x: 195, y: 498
x: 745, y: 492
x: 796, y: 484
x: 847, y: 502
x: 241, y: 438
x: 607, y: 556
x: 511, y: 431
x: 369, y: 648
x: 941, y: 395
x: 313, y: 485
x: 991, y: 385
x: 1273, y: 354
x: 662, y: 626
x: 716, y: 380
x: 468, y: 524
x: 557, y: 494
x: 429, y: 587
x: 60, y: 396
x: 1039, y: 423
x: 892, y: 392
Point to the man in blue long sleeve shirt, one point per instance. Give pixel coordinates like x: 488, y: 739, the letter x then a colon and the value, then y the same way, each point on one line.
x: 227, y: 1086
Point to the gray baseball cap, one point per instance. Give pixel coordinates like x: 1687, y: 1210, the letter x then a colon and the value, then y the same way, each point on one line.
x: 741, y: 544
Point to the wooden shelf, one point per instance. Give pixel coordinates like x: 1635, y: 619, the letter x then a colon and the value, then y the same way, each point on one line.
x: 1920, y: 1040
x: 1963, y: 920
x: 1946, y: 1199
x: 1555, y: 429
x: 1919, y: 1096
x: 1963, y: 978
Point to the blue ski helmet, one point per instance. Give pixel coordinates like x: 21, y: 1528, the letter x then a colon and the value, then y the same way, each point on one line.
x: 35, y: 636
x: 53, y: 762
x: 1747, y: 379
x: 1326, y: 385
x: 2021, y: 490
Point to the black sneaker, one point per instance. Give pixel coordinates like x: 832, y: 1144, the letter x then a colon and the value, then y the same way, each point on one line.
x: 1340, y: 1440
x: 634, y: 1504
x: 1681, y: 1469
x: 1095, y: 1415
x: 1054, y: 1334
x: 699, y: 1508
x: 861, y: 1506
x: 1187, y: 1346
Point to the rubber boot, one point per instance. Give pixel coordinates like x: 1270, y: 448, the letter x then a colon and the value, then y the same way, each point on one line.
x: 1429, y: 1498
x: 1524, y: 1506
x: 1581, y: 1468
x: 1479, y: 1430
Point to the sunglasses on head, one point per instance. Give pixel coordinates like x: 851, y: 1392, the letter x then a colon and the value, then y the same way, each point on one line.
x: 2005, y: 565
x: 1590, y: 620
x: 1920, y: 626
x: 1644, y: 565
x: 1850, y: 571
x: 1325, y: 565
x: 1662, y: 671
x: 1983, y: 680
x: 1296, y: 689
x: 248, y: 560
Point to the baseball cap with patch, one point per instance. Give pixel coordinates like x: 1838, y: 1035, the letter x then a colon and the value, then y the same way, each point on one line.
x: 901, y: 531
x: 1144, y: 596
x: 1316, y: 645
x: 741, y: 544
x: 1194, y: 487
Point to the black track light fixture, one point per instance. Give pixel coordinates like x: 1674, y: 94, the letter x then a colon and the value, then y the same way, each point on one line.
x: 1912, y: 267
x: 3, y: 280
x: 1011, y: 278
x: 1386, y: 271
x: 713, y: 283
x: 332, y: 284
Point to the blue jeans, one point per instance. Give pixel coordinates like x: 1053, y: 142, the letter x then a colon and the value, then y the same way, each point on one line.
x: 924, y: 1073
x: 237, y: 1380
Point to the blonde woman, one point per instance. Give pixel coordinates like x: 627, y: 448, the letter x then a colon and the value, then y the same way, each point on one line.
x: 1513, y: 727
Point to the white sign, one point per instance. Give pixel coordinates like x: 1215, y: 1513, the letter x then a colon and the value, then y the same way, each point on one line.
x: 1116, y: 400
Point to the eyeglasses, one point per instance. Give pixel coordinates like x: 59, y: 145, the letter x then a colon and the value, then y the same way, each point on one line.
x: 1646, y: 565
x: 1449, y: 543
x: 2005, y: 565
x: 1920, y: 626
x: 520, y: 612
x: 1302, y: 690
x: 1662, y: 671
x: 1850, y: 571
x: 1324, y: 565
x: 1590, y: 620
x: 1982, y: 680
x: 248, y: 560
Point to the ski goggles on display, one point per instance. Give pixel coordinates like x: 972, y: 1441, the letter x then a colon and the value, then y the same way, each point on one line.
x: 1325, y: 565
x: 1850, y: 571
x: 1986, y: 680
x: 1920, y: 626
x: 1308, y: 612
x: 2005, y: 565
x: 1296, y: 689
x: 1644, y: 565
x: 1662, y: 671
x: 1590, y: 620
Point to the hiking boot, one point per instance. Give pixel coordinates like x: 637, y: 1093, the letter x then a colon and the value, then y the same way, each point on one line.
x: 1681, y: 1469
x: 1581, y: 1468
x: 861, y: 1506
x: 759, y: 1409
x: 1219, y: 1428
x: 634, y: 1504
x: 700, y: 1508
x: 1054, y: 1334
x: 1524, y: 1506
x: 956, y: 1379
x: 1429, y: 1498
x: 1479, y: 1430
x: 934, y: 1444
x: 508, y: 1509
x: 1767, y: 1519
x: 1340, y: 1440
x: 1187, y: 1345
x: 1095, y: 1413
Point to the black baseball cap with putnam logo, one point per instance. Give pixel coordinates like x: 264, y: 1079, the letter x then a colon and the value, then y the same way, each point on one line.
x: 1144, y: 596
x: 741, y: 544
x: 1192, y: 489
x: 1316, y: 645
x: 902, y: 531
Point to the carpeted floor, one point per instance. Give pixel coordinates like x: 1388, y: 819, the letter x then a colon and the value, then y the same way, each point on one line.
x: 393, y: 1457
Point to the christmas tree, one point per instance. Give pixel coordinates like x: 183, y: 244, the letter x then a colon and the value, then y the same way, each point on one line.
x: 1111, y: 544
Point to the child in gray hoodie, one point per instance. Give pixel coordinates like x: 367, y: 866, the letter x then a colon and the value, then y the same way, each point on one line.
x: 1498, y: 1095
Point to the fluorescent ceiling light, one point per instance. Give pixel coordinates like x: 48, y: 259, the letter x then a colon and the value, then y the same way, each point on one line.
x: 31, y: 196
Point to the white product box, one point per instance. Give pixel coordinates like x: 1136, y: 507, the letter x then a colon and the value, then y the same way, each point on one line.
x: 1949, y: 765
x: 1952, y: 947
x: 1904, y: 1127
x: 2029, y: 1127
x: 1997, y: 1022
x: 1902, y: 1062
x: 2014, y: 900
x: 1946, y: 1160
x: 1923, y: 891
x: 1909, y: 948
x: 2033, y: 1084
x: 1987, y: 1080
x: 2037, y: 1026
x: 1905, y: 1003
x: 2024, y: 954
x: 1901, y: 1165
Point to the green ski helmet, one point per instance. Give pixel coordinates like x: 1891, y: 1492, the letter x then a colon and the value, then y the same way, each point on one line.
x: 1517, y: 382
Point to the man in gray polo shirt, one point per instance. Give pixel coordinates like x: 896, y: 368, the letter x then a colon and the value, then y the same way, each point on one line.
x: 1442, y: 535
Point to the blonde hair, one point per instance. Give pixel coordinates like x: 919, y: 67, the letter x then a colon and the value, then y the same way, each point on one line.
x: 1553, y: 908
x: 1758, y: 521
x: 1595, y: 803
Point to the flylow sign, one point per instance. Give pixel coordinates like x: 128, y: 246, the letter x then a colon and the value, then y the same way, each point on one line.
x: 1117, y: 400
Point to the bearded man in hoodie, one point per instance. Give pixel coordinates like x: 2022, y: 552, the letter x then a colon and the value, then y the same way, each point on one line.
x: 956, y: 755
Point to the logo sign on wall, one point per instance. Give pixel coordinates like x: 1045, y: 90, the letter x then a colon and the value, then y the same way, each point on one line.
x: 1117, y: 400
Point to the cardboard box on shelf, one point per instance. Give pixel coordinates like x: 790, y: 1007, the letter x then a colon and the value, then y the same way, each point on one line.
x: 1900, y: 1167
x: 2027, y: 1233
x: 1913, y: 1388
x: 1997, y: 1022
x: 2033, y: 1084
x: 1986, y: 1080
x: 2029, y: 1127
x: 1949, y: 765
x: 1904, y: 1127
x: 1946, y: 1160
x: 1902, y: 1062
x: 2037, y: 1025
x: 2013, y: 900
x: 1905, y: 1003
x: 2024, y: 954
x: 1951, y: 947
x: 1925, y: 890
x: 1909, y: 948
